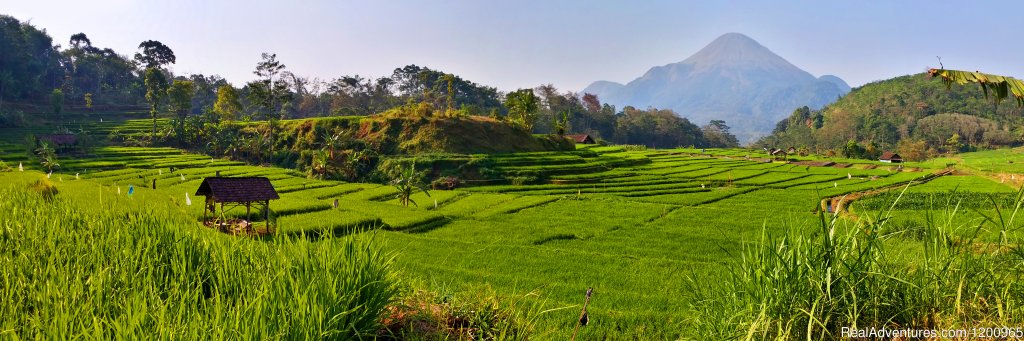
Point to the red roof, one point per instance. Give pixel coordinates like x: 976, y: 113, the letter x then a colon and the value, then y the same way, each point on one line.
x: 890, y: 156
x: 580, y: 138
x: 237, y: 189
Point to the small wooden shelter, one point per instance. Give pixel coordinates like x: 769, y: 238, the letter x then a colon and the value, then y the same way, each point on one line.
x: 581, y: 138
x: 890, y: 157
x: 778, y: 154
x: 237, y: 192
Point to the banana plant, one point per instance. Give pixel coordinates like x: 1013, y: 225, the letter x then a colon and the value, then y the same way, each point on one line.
x: 407, y: 183
x: 1001, y: 87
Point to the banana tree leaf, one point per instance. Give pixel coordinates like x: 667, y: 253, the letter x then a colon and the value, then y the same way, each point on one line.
x: 1000, y: 87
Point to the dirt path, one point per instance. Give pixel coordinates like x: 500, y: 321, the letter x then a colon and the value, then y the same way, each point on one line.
x: 839, y: 203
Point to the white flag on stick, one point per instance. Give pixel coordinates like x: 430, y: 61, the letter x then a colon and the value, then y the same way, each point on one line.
x: 188, y: 201
x: 20, y: 167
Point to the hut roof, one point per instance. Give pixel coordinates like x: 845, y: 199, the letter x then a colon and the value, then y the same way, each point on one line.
x: 581, y: 138
x: 890, y: 156
x: 241, y: 189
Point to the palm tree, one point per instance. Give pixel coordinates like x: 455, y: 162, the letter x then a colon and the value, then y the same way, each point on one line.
x: 407, y: 183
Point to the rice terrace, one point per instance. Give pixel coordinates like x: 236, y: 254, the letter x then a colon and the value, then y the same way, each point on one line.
x: 140, y: 201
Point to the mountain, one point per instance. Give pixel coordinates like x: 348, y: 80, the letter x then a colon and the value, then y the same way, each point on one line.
x: 734, y: 79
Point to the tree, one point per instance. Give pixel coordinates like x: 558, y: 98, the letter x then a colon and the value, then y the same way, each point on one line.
x: 522, y: 108
x: 562, y: 124
x: 80, y: 41
x: 407, y: 183
x: 156, y: 93
x: 227, y: 105
x: 265, y: 91
x: 717, y: 135
x: 57, y: 101
x: 154, y: 54
x: 47, y: 156
x: 853, y: 150
x: 953, y: 142
x: 912, y: 150
x: 179, y: 96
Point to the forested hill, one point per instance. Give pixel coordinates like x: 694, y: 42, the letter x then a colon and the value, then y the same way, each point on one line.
x: 917, y: 110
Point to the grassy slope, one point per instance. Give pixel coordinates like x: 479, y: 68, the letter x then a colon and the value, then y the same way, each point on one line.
x: 636, y: 251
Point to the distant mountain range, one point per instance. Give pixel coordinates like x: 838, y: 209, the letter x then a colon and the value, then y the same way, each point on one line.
x: 733, y: 79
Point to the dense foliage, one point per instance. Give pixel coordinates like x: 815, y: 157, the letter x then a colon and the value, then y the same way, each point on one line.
x: 914, y: 115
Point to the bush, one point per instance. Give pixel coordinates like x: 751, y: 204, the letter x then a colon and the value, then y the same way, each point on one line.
x: 4, y: 167
x: 44, y: 188
x: 446, y: 183
x: 522, y: 180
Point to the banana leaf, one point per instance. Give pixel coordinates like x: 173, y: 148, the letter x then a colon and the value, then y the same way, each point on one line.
x: 1000, y: 86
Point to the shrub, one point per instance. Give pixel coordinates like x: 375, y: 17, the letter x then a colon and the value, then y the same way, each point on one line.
x: 4, y: 167
x: 44, y: 188
x: 446, y: 183
x: 522, y: 180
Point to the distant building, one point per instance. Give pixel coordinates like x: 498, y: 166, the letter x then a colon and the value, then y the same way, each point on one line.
x: 778, y: 154
x: 890, y: 157
x: 581, y: 138
x: 791, y: 150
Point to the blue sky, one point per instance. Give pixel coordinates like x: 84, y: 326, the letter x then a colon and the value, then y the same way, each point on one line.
x: 525, y: 43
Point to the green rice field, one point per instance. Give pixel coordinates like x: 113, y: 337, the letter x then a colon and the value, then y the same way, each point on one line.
x: 640, y: 227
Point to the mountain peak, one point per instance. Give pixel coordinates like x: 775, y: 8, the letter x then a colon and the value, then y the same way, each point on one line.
x: 735, y: 79
x: 736, y: 49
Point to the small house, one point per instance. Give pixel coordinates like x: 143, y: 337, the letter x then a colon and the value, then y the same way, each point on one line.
x: 233, y: 192
x: 890, y: 157
x: 581, y: 138
x: 791, y: 150
x: 778, y: 154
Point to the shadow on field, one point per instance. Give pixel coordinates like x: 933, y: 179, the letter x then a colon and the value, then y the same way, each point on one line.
x: 338, y: 231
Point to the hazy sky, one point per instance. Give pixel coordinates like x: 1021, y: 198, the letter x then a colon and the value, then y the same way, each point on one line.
x: 525, y: 43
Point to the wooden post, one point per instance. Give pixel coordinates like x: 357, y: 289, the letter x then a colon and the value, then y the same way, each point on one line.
x: 247, y: 216
x: 154, y: 183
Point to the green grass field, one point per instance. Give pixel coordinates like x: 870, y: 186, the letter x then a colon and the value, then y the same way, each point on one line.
x: 640, y: 227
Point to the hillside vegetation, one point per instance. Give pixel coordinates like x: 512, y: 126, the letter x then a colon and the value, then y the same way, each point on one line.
x: 915, y: 114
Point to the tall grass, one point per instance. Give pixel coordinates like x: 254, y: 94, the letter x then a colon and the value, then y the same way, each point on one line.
x: 856, y: 274
x: 132, y: 273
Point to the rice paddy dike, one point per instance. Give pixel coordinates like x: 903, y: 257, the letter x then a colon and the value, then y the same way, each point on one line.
x: 638, y: 226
